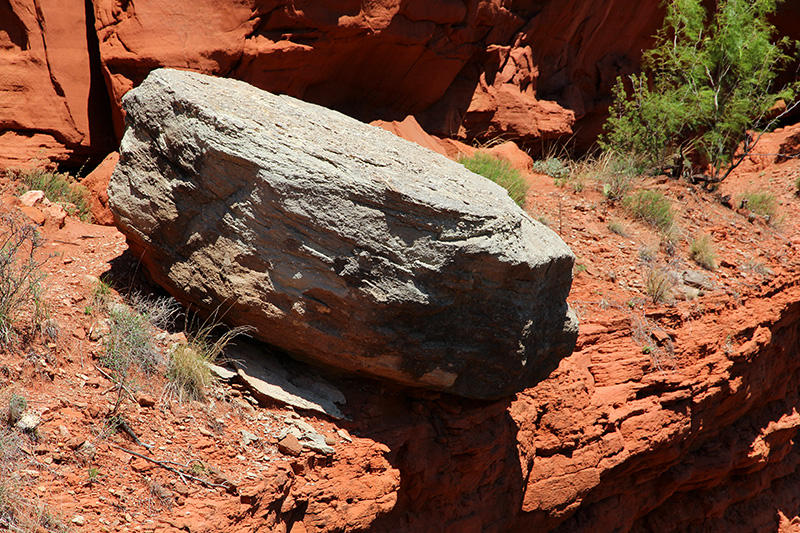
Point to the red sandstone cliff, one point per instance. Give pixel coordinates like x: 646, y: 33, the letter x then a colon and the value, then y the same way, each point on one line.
x: 474, y: 69
x: 483, y: 68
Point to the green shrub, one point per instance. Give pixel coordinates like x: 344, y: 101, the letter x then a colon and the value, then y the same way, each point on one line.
x: 60, y: 188
x: 704, y: 86
x: 20, y: 275
x: 553, y: 167
x: 761, y: 203
x: 651, y: 207
x: 500, y: 172
x: 702, y: 252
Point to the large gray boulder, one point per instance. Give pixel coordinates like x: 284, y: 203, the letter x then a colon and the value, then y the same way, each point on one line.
x: 340, y: 243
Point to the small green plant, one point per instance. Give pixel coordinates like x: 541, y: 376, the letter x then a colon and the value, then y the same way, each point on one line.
x: 500, y: 172
x: 129, y: 342
x: 701, y: 250
x: 578, y: 268
x: 59, y: 188
x: 188, y: 373
x: 797, y: 186
x: 101, y: 291
x: 93, y: 475
x: 553, y: 167
x: 651, y: 207
x: 615, y: 226
x: 761, y: 203
x: 16, y: 407
x: 658, y: 283
x: 20, y: 275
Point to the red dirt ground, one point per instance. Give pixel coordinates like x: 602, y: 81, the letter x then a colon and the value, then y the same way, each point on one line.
x: 62, y: 380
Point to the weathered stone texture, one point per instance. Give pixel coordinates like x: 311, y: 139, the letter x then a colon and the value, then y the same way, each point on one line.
x: 338, y: 241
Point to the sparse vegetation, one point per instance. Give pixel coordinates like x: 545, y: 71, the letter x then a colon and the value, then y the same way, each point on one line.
x: 20, y: 513
x: 616, y: 186
x: 101, y: 291
x: 553, y: 167
x: 17, y: 404
x: 188, y: 372
x: 615, y: 226
x: 797, y: 186
x: 652, y: 207
x: 658, y: 283
x: 761, y: 203
x: 20, y: 275
x: 705, y: 85
x: 758, y: 268
x: 60, y: 188
x: 500, y: 172
x: 93, y: 475
x: 129, y: 342
x: 701, y: 250
x: 648, y: 254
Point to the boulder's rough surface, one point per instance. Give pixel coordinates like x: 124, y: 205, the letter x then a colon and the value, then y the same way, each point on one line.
x: 338, y: 241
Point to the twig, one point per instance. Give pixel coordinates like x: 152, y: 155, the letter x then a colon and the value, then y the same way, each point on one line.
x: 117, y: 384
x: 166, y: 466
x: 122, y: 424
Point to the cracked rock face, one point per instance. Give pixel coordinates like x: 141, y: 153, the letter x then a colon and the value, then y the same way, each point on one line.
x: 337, y: 241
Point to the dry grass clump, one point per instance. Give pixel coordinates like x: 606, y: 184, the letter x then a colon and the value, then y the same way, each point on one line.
x: 701, y: 250
x: 188, y: 370
x: 658, y: 284
x: 20, y: 276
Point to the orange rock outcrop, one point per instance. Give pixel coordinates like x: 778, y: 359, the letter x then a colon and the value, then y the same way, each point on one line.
x: 475, y: 70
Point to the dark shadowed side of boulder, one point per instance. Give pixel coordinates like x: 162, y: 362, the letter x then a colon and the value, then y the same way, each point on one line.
x: 339, y: 242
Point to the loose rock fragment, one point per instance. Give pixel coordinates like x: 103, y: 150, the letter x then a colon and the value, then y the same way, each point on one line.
x: 289, y: 445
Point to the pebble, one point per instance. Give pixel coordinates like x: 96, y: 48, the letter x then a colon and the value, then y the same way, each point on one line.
x: 248, y: 437
x: 78, y: 520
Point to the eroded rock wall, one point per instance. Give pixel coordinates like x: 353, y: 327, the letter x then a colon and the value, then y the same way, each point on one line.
x: 53, y: 101
x: 476, y: 69
x: 706, y: 447
x: 479, y: 69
